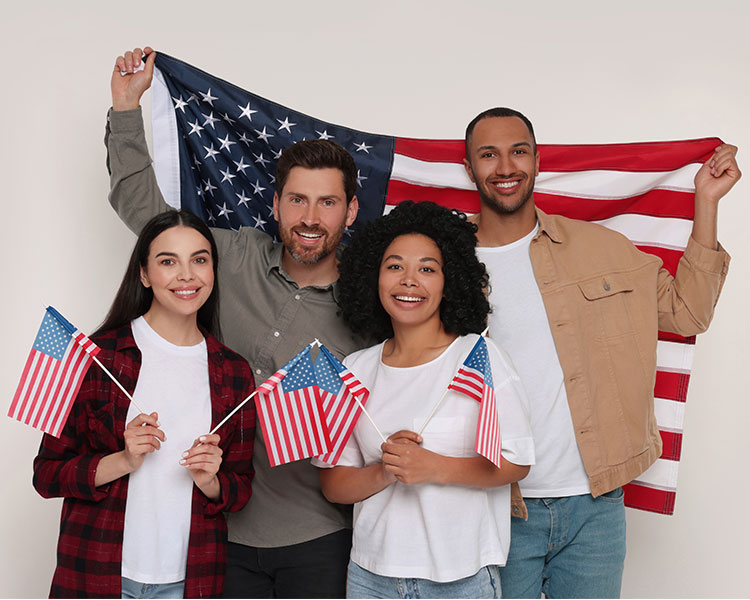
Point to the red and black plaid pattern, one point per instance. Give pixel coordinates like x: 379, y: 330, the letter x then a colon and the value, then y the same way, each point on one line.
x: 89, y: 551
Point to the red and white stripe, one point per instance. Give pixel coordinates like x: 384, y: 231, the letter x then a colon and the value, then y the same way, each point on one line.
x: 341, y: 411
x: 48, y: 386
x: 292, y: 423
x: 644, y: 191
x: 471, y: 382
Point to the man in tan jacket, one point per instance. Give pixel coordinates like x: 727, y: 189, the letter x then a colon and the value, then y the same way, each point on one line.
x: 578, y: 308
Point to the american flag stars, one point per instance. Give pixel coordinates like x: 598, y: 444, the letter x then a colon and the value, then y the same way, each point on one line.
x: 232, y: 139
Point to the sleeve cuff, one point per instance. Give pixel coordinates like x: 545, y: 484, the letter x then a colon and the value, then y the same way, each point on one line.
x: 707, y: 259
x: 519, y: 451
x: 125, y: 121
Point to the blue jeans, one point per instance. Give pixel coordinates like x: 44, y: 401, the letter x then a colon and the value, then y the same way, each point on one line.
x: 571, y: 547
x: 361, y: 583
x: 136, y: 589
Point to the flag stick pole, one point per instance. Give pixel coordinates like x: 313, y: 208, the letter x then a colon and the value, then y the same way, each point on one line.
x: 369, y: 418
x: 236, y: 408
x: 119, y: 385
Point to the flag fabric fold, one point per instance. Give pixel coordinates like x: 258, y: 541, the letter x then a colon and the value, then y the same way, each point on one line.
x: 474, y: 379
x: 52, y: 375
x: 338, y: 389
x: 215, y: 152
x: 290, y: 414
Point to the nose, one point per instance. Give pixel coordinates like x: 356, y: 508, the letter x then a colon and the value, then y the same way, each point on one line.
x: 185, y: 272
x: 310, y: 217
x: 408, y: 278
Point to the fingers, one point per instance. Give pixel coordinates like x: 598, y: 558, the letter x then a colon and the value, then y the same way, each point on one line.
x: 203, y: 455
x: 130, y: 61
x: 723, y: 159
x: 404, y: 437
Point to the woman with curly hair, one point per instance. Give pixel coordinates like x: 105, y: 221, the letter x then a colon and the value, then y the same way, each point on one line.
x: 432, y: 517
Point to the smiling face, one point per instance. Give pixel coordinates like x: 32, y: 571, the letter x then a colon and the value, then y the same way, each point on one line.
x: 179, y: 270
x: 410, y: 282
x: 502, y: 162
x: 312, y: 213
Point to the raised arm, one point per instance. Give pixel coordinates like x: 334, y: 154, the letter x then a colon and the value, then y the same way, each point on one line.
x: 686, y: 301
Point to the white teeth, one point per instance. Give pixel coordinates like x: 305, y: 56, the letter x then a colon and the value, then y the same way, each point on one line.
x: 508, y: 184
x: 185, y: 292
x: 409, y: 299
x: 310, y: 236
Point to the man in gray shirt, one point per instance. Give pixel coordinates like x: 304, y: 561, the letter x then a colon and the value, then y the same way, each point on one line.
x: 288, y: 542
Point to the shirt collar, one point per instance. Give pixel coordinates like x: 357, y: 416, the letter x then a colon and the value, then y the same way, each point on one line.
x: 274, y: 263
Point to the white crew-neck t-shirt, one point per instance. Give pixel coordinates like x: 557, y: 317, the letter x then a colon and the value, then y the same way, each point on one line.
x: 173, y: 381
x: 431, y: 531
x: 519, y: 324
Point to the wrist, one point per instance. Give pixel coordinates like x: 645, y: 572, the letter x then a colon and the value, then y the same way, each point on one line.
x: 120, y: 105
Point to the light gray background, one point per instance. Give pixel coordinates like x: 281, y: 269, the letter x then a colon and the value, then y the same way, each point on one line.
x: 582, y: 71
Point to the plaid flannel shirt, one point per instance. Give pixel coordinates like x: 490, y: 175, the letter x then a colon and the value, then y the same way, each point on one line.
x: 89, y: 551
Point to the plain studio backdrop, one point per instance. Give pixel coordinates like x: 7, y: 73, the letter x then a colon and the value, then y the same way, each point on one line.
x: 584, y: 72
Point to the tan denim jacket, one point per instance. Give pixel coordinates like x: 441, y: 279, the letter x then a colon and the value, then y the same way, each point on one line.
x: 606, y: 302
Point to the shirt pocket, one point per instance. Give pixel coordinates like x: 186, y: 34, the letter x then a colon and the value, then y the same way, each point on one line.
x: 445, y: 435
x: 606, y: 301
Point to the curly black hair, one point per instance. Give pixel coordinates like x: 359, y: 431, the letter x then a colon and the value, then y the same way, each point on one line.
x: 464, y: 307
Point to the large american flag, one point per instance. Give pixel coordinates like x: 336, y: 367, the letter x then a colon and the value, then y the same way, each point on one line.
x: 339, y: 390
x: 216, y: 147
x: 290, y: 413
x: 474, y: 378
x: 52, y: 375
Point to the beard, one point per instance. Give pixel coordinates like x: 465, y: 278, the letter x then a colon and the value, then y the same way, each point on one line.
x: 512, y: 204
x: 311, y: 256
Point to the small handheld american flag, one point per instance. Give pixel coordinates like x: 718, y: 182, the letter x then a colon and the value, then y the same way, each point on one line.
x: 474, y: 378
x: 52, y: 376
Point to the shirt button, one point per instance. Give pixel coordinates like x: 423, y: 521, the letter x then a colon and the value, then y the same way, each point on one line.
x: 606, y: 287
x: 276, y: 334
x: 257, y: 371
x: 296, y: 296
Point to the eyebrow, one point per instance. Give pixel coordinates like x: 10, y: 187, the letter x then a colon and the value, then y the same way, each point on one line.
x: 423, y: 259
x: 516, y: 145
x: 174, y: 254
x: 307, y: 197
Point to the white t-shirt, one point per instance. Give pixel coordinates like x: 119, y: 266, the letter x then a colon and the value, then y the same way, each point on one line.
x: 173, y: 381
x: 519, y: 324
x: 431, y: 531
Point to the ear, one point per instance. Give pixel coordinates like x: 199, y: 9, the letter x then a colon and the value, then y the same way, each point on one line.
x: 469, y: 172
x: 276, y: 207
x: 351, y: 211
x: 537, y: 162
x: 144, y: 278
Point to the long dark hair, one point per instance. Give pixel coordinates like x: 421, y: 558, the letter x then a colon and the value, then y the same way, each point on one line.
x: 133, y: 299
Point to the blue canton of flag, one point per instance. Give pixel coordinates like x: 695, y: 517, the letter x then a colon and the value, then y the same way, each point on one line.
x: 474, y: 378
x: 290, y: 413
x: 52, y: 376
x: 230, y: 140
x: 339, y: 391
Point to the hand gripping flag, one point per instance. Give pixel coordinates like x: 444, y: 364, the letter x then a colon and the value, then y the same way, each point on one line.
x: 52, y: 376
x: 474, y: 378
x: 339, y: 391
x: 290, y: 414
x: 215, y: 153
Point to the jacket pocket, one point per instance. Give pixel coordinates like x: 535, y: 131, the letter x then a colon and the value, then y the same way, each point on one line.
x: 606, y: 298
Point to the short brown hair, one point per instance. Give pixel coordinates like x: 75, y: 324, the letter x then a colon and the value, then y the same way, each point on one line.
x: 318, y: 154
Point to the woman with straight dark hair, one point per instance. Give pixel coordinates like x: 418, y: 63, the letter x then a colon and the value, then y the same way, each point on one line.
x: 145, y: 493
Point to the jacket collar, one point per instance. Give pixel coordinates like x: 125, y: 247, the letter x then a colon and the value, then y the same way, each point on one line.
x: 548, y: 225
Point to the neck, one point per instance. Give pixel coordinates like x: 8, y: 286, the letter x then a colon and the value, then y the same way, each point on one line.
x: 413, y: 345
x: 322, y: 273
x: 180, y: 330
x: 499, y: 229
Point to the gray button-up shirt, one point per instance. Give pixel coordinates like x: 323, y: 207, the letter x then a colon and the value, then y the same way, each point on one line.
x: 265, y: 317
